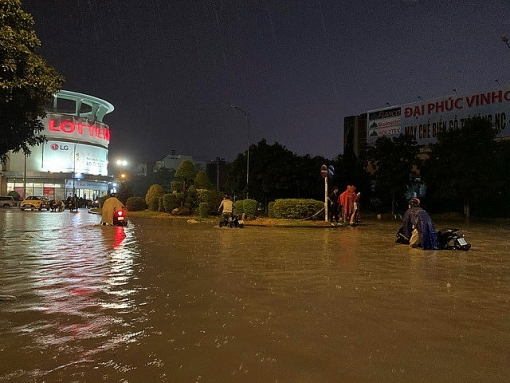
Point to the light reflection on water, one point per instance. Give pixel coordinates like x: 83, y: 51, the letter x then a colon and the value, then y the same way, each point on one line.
x: 170, y: 302
x: 70, y: 276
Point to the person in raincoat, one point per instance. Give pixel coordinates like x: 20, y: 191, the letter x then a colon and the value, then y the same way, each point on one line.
x: 342, y: 204
x: 418, y: 226
x: 109, y: 207
x: 347, y: 200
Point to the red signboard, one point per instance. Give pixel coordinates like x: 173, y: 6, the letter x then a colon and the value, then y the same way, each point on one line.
x: 324, y: 171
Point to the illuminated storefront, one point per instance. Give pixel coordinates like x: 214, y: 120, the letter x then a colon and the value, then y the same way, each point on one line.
x: 73, y: 160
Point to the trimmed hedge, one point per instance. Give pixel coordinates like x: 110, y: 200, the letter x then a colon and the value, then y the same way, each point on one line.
x: 247, y: 206
x: 297, y: 208
x: 169, y: 202
x: 270, y: 209
x: 250, y: 207
x: 239, y: 207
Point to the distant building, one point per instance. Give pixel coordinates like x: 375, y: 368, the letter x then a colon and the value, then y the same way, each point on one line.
x: 355, y: 133
x: 73, y: 160
x: 141, y: 169
x: 424, y: 119
x: 171, y: 161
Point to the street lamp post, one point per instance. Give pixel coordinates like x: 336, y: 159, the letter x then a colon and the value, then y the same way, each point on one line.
x: 247, y: 115
x: 219, y: 160
x: 121, y: 167
x: 120, y: 173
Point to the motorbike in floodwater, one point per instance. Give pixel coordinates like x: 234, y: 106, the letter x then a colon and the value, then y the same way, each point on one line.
x: 451, y: 239
x: 120, y: 218
x: 448, y: 238
x: 231, y: 220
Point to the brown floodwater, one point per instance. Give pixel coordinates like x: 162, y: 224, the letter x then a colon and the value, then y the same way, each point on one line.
x: 168, y: 301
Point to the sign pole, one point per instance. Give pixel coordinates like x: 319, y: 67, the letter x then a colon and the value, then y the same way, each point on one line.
x: 324, y: 174
x: 326, y: 199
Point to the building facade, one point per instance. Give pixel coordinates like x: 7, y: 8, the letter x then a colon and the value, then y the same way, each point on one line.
x: 73, y: 160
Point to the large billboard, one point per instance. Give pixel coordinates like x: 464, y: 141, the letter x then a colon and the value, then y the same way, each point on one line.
x: 384, y: 122
x: 67, y: 157
x: 425, y: 119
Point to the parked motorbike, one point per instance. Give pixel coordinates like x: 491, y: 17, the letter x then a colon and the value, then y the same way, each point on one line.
x: 448, y: 238
x: 231, y: 220
x: 72, y: 205
x: 120, y: 218
x: 401, y: 238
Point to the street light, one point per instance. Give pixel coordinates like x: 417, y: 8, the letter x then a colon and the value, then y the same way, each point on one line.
x: 247, y: 115
x: 121, y: 165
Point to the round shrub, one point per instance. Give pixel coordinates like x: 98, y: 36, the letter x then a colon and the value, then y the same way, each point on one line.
x: 250, y: 207
x: 136, y: 204
x: 152, y: 196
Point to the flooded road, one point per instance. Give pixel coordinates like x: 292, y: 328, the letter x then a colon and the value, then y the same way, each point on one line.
x: 167, y: 301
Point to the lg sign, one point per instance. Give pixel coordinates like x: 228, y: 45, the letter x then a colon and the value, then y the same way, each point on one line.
x: 77, y: 128
x: 59, y: 147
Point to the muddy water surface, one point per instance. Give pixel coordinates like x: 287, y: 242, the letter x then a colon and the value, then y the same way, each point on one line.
x: 167, y: 301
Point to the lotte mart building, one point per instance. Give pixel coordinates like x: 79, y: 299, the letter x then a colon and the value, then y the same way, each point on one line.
x: 73, y: 160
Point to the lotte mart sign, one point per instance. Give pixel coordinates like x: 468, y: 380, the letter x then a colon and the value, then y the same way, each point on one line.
x: 77, y: 129
x: 425, y: 119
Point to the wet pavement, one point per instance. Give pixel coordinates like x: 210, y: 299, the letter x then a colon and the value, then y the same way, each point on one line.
x: 167, y: 301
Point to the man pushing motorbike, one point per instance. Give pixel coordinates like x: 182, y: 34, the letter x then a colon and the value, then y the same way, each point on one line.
x: 418, y: 227
x: 111, y: 205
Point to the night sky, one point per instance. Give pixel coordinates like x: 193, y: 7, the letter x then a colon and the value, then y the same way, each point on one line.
x: 172, y: 69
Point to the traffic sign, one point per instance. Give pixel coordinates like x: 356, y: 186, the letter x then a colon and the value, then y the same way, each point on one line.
x: 324, y: 171
x: 331, y: 171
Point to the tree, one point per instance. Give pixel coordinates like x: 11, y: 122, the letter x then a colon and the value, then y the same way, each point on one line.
x: 466, y: 163
x: 187, y: 172
x: 351, y: 170
x: 276, y: 172
x: 202, y: 181
x: 394, y: 161
x: 27, y: 82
